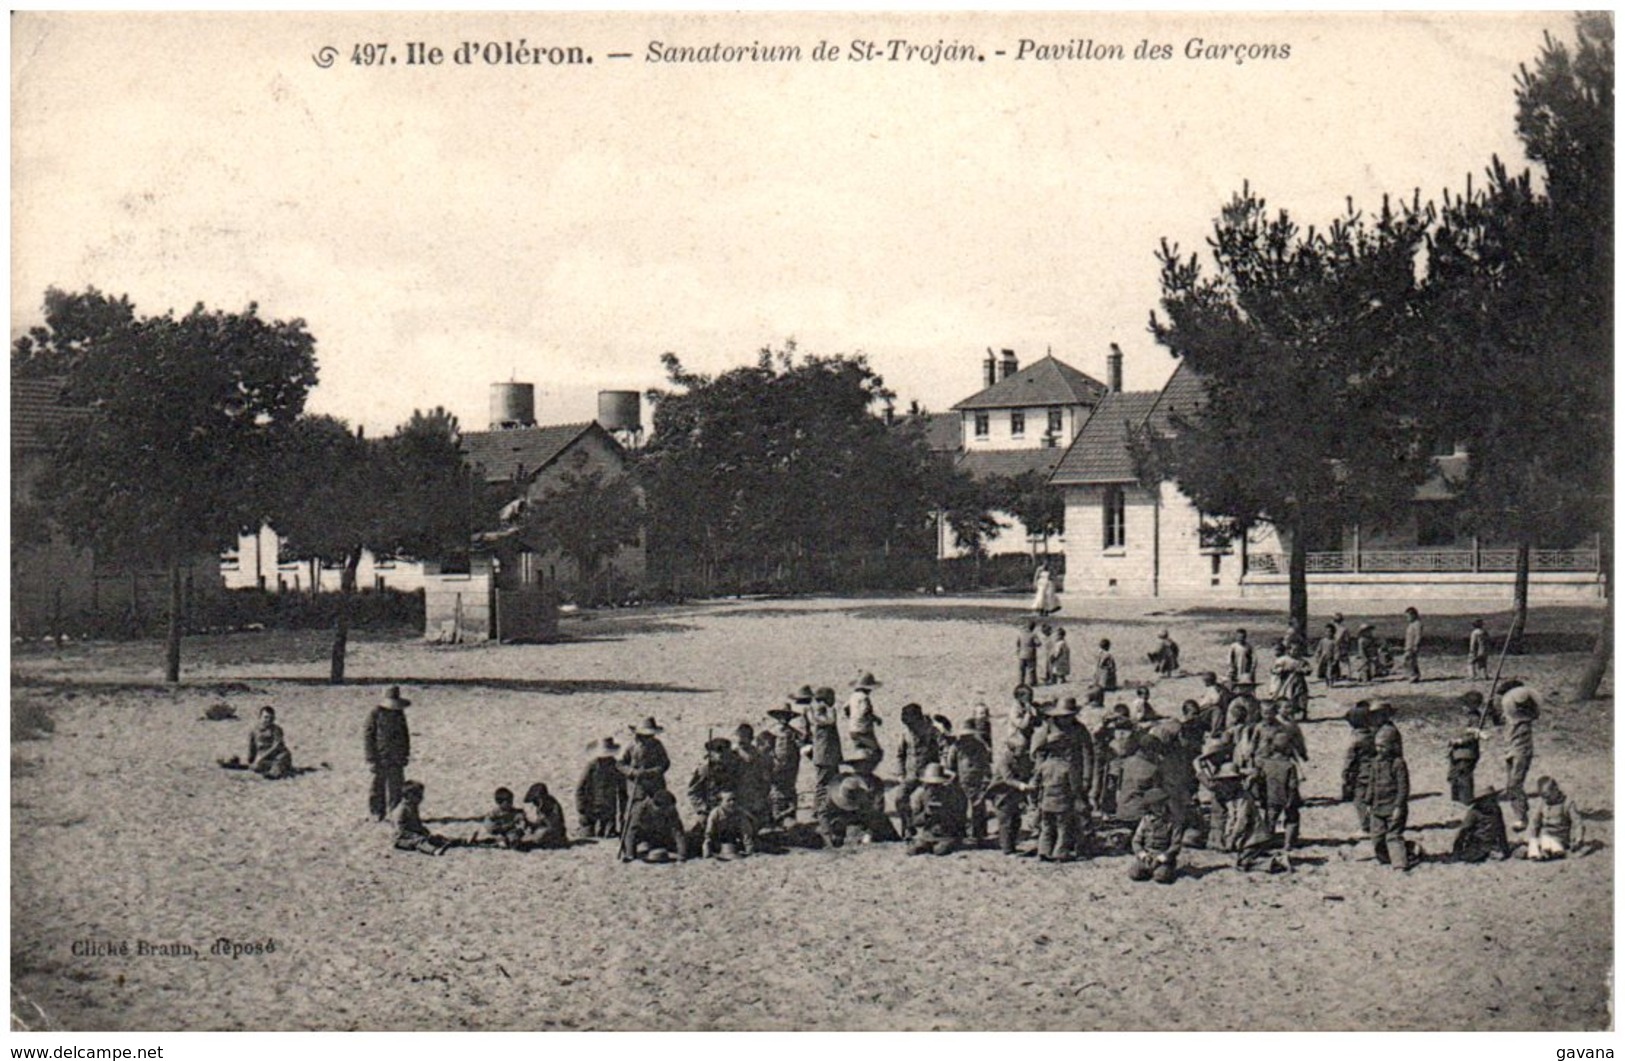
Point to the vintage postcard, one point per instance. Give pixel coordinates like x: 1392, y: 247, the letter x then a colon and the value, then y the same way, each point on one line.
x: 670, y: 522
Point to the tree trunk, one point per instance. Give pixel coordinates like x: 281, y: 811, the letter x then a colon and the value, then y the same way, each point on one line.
x: 1297, y: 581
x: 1603, y: 648
x: 172, y: 640
x: 1520, y: 601
x: 341, y: 618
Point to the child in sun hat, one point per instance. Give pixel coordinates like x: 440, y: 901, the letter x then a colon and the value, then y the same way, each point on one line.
x: 932, y: 813
x: 1156, y: 841
x: 654, y: 830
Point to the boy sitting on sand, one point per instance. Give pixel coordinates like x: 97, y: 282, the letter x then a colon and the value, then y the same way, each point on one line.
x: 1554, y: 826
x: 1156, y: 841
x: 728, y: 829
x: 505, y: 825
x: 1483, y: 831
x: 268, y: 753
x: 654, y: 830
x: 410, y: 834
x: 544, y: 827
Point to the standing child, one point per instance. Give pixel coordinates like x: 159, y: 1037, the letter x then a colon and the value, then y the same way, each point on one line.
x: 1243, y: 665
x: 600, y: 795
x: 1464, y: 750
x: 1060, y: 658
x: 1413, y: 644
x: 1281, y: 782
x: 1478, y: 651
x: 1027, y: 654
x: 1165, y: 657
x: 1056, y: 801
x: 1519, y: 708
x: 388, y: 750
x: 1156, y: 841
x: 1105, y: 668
x: 1388, y: 797
x: 1328, y: 656
x: 1046, y: 645
x: 1012, y: 770
x: 970, y: 761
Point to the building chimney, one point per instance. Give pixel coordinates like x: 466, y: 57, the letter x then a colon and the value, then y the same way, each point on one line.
x: 990, y: 369
x: 1114, y: 370
x: 1007, y: 365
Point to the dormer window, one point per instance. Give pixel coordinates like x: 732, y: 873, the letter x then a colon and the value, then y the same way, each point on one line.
x: 1018, y: 423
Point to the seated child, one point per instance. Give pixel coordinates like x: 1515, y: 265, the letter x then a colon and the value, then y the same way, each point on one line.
x: 505, y: 825
x: 545, y: 825
x: 268, y: 753
x: 1483, y: 831
x: 728, y: 826
x: 1156, y: 841
x: 858, y: 805
x: 1554, y: 825
x: 654, y: 830
x: 410, y: 834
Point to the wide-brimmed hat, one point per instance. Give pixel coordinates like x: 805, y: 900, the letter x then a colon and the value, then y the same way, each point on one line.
x: 1153, y: 796
x: 783, y: 714
x: 852, y: 795
x: 867, y: 681
x: 1060, y: 710
x: 393, y: 698
x: 803, y: 695
x: 1381, y: 707
x: 1227, y: 772
x: 825, y: 694
x: 647, y: 728
x: 934, y: 774
x: 717, y: 744
x: 859, y: 755
x: 657, y: 854
x: 727, y: 852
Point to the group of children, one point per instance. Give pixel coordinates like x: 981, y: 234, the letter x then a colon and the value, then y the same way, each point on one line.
x: 1225, y: 774
x: 1043, y: 656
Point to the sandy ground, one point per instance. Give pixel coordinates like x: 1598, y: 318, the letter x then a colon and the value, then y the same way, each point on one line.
x: 124, y: 829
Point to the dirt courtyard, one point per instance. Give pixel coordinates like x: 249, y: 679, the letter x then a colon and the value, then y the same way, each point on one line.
x: 125, y: 831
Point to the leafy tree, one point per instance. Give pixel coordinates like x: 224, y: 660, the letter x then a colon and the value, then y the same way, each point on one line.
x: 1521, y: 281
x: 587, y: 518
x: 408, y: 496
x: 782, y: 463
x: 1029, y: 497
x: 1303, y: 339
x: 72, y: 321
x: 176, y: 452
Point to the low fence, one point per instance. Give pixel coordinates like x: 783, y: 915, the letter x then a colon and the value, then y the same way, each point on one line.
x: 874, y: 572
x: 1429, y: 561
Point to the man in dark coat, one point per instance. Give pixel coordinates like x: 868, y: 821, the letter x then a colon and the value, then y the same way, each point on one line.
x: 388, y: 750
x: 644, y: 763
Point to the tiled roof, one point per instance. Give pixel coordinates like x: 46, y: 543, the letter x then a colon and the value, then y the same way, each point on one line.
x: 942, y: 432
x: 1100, y: 453
x: 1179, y: 396
x: 520, y: 452
x: 34, y: 408
x: 985, y: 464
x: 1045, y: 382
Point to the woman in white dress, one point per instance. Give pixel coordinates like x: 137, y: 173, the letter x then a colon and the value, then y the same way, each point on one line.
x: 1044, y: 602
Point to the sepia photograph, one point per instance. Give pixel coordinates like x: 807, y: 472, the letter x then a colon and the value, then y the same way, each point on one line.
x: 820, y: 522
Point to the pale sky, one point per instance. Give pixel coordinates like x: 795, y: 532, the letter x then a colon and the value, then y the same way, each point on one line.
x: 444, y: 228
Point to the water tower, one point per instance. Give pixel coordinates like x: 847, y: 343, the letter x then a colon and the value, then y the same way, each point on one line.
x: 513, y: 405
x: 620, y: 413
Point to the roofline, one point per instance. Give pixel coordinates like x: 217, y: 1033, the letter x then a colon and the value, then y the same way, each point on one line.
x: 530, y: 476
x: 967, y: 404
